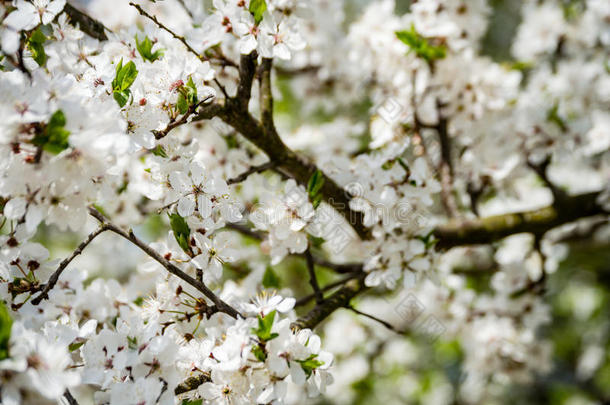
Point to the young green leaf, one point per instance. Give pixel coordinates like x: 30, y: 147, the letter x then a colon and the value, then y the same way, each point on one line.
x: 124, y: 78
x: 159, y: 151
x: 145, y: 50
x: 421, y: 46
x: 259, y: 353
x: 187, y: 96
x: 75, y: 346
x: 270, y: 279
x: 263, y: 332
x: 181, y: 230
x: 257, y: 9
x: 35, y: 44
x: 193, y: 402
x: 5, y: 331
x: 553, y: 116
x: 54, y: 137
x: 314, y: 185
x: 310, y: 364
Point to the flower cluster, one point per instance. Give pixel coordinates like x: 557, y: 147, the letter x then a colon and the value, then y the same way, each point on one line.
x: 171, y: 172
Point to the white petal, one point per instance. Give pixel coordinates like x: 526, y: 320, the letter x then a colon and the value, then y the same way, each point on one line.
x: 25, y: 18
x: 286, y: 305
x: 297, y: 373
x: 204, y: 205
x: 186, y: 206
x: 15, y: 208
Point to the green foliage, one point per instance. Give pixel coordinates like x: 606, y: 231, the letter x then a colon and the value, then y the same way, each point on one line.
x: 187, y: 96
x: 263, y: 332
x: 54, y: 137
x: 310, y: 364
x: 181, y: 230
x: 125, y: 76
x: 35, y: 44
x: 145, y: 50
x: 421, y: 46
x: 259, y: 353
x: 75, y: 346
x: 314, y: 185
x: 553, y: 116
x: 5, y: 331
x: 270, y: 279
x: 192, y: 402
x: 159, y: 151
x: 132, y: 342
x: 257, y: 9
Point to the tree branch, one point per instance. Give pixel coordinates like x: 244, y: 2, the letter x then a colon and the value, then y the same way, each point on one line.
x: 313, y: 279
x: 537, y: 222
x: 44, y: 294
x: 266, y: 97
x: 247, y: 69
x: 220, y: 304
x: 88, y: 25
x: 340, y: 299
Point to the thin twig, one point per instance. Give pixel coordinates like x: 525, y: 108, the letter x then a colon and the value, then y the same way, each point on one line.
x: 559, y: 196
x: 71, y: 400
x: 381, y: 321
x: 62, y: 266
x: 130, y: 236
x: 251, y: 170
x: 163, y: 27
x: 182, y: 120
x: 302, y: 301
x: 188, y: 10
x: 313, y: 279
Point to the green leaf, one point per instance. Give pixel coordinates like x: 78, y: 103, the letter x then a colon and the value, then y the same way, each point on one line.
x: 181, y: 230
x: 145, y: 50
x: 132, y: 342
x: 314, y: 185
x: 310, y: 364
x: 159, y: 151
x: 36, y: 46
x: 263, y: 332
x: 182, y: 104
x: 124, y: 78
x: 259, y: 353
x: 257, y: 9
x: 187, y: 96
x: 193, y: 402
x: 421, y: 46
x: 270, y: 279
x: 5, y: 331
x: 75, y: 346
x: 54, y: 137
x: 121, y: 97
x: 553, y: 116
